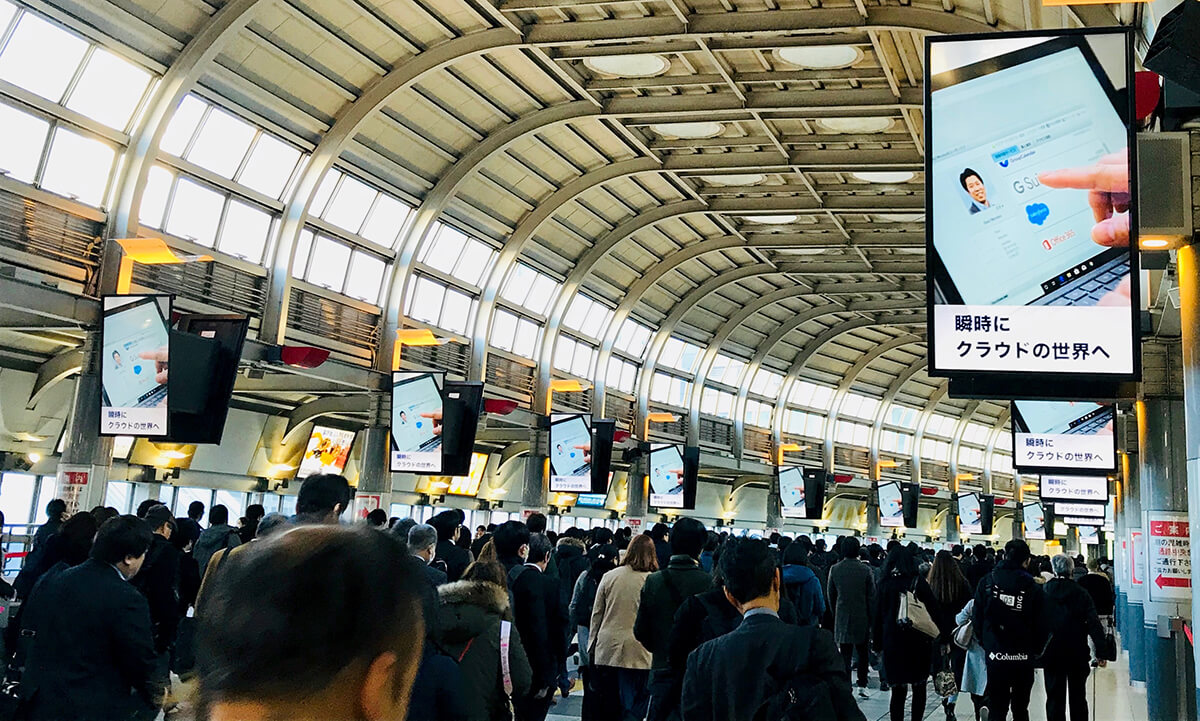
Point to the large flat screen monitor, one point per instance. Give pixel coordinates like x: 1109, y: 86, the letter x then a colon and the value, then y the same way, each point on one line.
x: 1033, y: 516
x: 591, y: 500
x: 970, y: 513
x: 667, y: 481
x: 1064, y: 436
x: 791, y: 492
x: 1089, y: 489
x: 134, y: 363
x: 327, y: 451
x: 891, y: 505
x: 417, y: 422
x: 603, y: 432
x: 1031, y: 233
x: 570, y: 454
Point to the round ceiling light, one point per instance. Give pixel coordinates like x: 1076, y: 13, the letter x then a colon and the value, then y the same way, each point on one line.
x: 691, y: 131
x: 734, y: 179
x: 855, y: 125
x: 900, y: 217
x: 628, y: 66
x: 889, y: 176
x: 821, y: 57
x: 771, y: 219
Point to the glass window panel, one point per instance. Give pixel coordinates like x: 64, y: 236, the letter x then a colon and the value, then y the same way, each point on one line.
x: 16, y: 497
x: 187, y: 495
x: 687, y: 359
x: 21, y: 143
x: 287, y: 505
x: 324, y: 191
x: 195, y: 212
x: 270, y: 165
x: 597, y: 320
x: 222, y: 143
x: 504, y: 329
x: 680, y: 389
x: 270, y: 502
x: 582, y: 363
x: 526, y: 340
x: 473, y: 261
x: 245, y: 232
x: 154, y: 198
x: 166, y: 495
x: 446, y: 249
x: 862, y: 435
x: 386, y: 221
x: 814, y: 425
x: 543, y: 289
x: 724, y: 404
x: 708, y: 401
x: 563, y: 351
x: 7, y: 10
x: 235, y: 501
x: 118, y: 495
x: 328, y: 264
x: 350, y: 204
x: 109, y: 89
x: 41, y: 57
x: 303, y: 247
x: 671, y: 351
x: 366, y: 275
x: 577, y: 312
x: 78, y: 166
x: 976, y: 433
x: 516, y: 288
x: 427, y: 301
x: 660, y: 387
x: 455, y: 310
x: 46, y: 488
x: 183, y: 125
x: 1002, y: 463
x: 899, y: 415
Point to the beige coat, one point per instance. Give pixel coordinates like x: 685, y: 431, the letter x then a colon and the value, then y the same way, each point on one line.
x: 613, y: 615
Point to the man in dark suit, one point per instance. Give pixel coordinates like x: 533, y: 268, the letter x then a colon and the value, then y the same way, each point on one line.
x: 732, y: 677
x: 422, y: 543
x: 537, y: 618
x: 92, y: 656
x: 456, y: 559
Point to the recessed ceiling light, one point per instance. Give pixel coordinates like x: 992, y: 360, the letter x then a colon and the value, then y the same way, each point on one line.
x: 693, y: 131
x: 771, y: 219
x: 821, y: 57
x: 734, y: 179
x: 855, y: 125
x: 889, y: 176
x: 900, y: 217
x: 629, y: 66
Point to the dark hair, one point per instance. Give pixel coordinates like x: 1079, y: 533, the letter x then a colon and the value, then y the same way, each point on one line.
x: 56, y: 509
x: 159, y: 515
x: 947, y: 579
x: 962, y: 177
x: 321, y: 492
x: 255, y: 512
x: 446, y: 523
x: 338, y: 598
x: 748, y: 568
x: 403, y: 527
x: 901, y: 561
x: 509, y: 538
x: 146, y: 505
x: 536, y: 522
x: 956, y: 550
x: 1016, y: 552
x: 712, y: 542
x: 688, y: 537
x: 796, y: 554
x: 464, y: 538
x: 540, y: 548
x: 377, y: 517
x: 659, y: 532
x: 120, y: 538
x: 217, y: 515
x: 601, y: 536
x: 981, y: 551
x: 195, y: 510
x: 76, y: 536
x: 849, y: 547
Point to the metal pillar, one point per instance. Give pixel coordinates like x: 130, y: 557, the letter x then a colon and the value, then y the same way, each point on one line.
x: 1132, y: 635
x: 774, y: 514
x: 82, y: 477
x: 873, y: 527
x: 374, y: 475
x: 635, y: 488
x: 1188, y: 267
x: 951, y: 523
x: 533, y: 493
x: 1163, y: 463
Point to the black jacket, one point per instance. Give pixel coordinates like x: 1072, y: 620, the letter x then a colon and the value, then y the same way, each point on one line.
x: 906, y: 651
x: 1070, y: 618
x: 1100, y: 589
x: 456, y: 559
x: 537, y: 618
x: 977, y: 571
x: 159, y: 583
x: 729, y: 678
x: 704, y: 617
x: 662, y: 595
x: 93, y: 654
x: 437, y: 692
x: 1009, y: 615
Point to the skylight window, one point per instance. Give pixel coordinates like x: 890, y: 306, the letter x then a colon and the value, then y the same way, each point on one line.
x: 574, y: 356
x: 350, y: 204
x: 195, y: 212
x: 41, y: 57
x: 366, y: 276
x: 245, y: 232
x: 528, y: 288
x: 21, y: 143
x: 456, y: 254
x: 622, y: 375
x: 513, y: 333
x: 327, y: 267
x: 222, y: 143
x: 183, y: 125
x: 155, y: 196
x: 766, y: 383
x: 680, y: 354
x: 78, y: 167
x: 587, y: 316
x: 109, y: 90
x: 726, y: 370
x: 271, y: 164
x: 386, y: 221
x: 432, y: 302
x: 632, y: 337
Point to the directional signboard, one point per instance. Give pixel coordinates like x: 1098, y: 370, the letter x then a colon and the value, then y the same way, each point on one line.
x: 1169, y: 556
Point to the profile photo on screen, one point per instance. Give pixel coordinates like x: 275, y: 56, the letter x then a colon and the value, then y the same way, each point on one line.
x: 975, y: 193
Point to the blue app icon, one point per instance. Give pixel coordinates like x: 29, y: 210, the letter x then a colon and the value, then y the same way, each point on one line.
x: 419, y: 424
x: 137, y: 370
x: 1037, y: 212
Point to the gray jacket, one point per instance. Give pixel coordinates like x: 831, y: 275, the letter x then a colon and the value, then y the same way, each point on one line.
x: 851, y: 594
x: 213, y: 539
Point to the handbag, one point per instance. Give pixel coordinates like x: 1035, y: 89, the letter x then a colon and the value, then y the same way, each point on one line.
x: 913, y: 613
x: 964, y: 633
x: 944, y: 684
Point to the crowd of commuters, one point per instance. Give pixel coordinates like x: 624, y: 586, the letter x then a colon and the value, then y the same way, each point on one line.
x: 318, y: 617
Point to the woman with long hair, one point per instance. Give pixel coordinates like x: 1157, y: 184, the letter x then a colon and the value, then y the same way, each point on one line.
x: 620, y: 662
x: 951, y: 589
x: 906, y: 651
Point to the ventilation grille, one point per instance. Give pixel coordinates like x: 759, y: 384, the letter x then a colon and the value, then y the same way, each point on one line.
x: 756, y: 442
x: 509, y: 375
x: 573, y: 401
x: 676, y: 429
x: 852, y: 459
x: 716, y: 432
x: 328, y: 319
x: 211, y: 284
x: 454, y: 358
x: 619, y: 409
x: 48, y: 233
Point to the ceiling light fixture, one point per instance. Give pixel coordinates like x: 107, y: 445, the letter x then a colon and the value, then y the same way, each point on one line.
x: 855, y: 125
x: 629, y: 66
x: 690, y: 131
x: 771, y: 219
x: 821, y: 57
x: 887, y: 176
x: 734, y: 179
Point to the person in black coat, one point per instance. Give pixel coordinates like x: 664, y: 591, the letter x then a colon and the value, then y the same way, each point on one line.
x: 437, y: 689
x: 511, y: 541
x: 456, y: 559
x: 158, y: 580
x: 1071, y: 619
x: 980, y: 567
x: 35, y: 564
x: 422, y: 543
x: 662, y: 545
x: 537, y: 618
x: 906, y: 651
x: 93, y: 657
x: 733, y: 677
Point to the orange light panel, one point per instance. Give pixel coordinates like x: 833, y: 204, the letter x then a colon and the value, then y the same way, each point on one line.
x: 660, y: 417
x: 416, y: 337
x: 153, y: 251
x: 888, y: 464
x: 566, y: 385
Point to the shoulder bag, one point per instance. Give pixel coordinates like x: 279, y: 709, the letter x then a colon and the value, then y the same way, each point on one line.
x: 913, y: 613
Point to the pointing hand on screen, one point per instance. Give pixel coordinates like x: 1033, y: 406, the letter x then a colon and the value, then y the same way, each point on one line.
x: 160, y: 363
x: 1107, y: 183
x: 436, y: 417
x: 587, y: 452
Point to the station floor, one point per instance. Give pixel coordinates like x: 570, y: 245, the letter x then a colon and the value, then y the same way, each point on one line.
x: 1116, y: 700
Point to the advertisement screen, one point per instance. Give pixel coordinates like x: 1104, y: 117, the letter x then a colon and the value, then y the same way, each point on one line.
x: 1074, y: 488
x: 666, y: 477
x: 891, y: 505
x: 1034, y: 518
x: 591, y: 500
x: 417, y: 422
x: 791, y: 492
x: 1028, y: 186
x: 1089, y: 536
x: 970, y: 513
x: 570, y: 454
x: 133, y: 365
x: 326, y: 452
x: 1091, y: 510
x: 1052, y: 436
